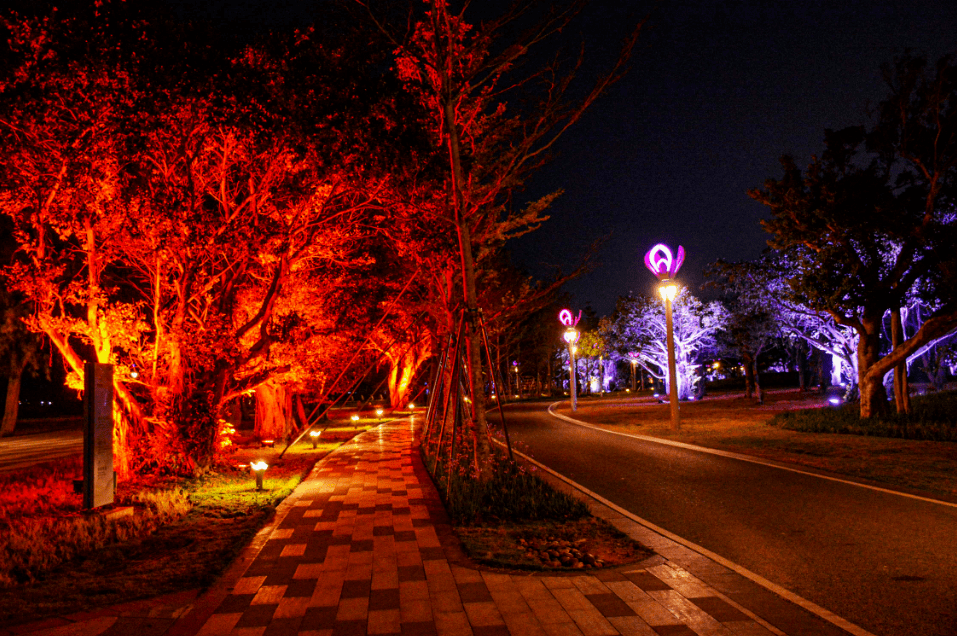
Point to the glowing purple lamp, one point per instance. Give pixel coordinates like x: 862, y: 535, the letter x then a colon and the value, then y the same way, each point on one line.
x: 662, y: 263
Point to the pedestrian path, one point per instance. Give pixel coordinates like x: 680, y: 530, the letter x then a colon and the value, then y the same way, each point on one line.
x: 363, y: 546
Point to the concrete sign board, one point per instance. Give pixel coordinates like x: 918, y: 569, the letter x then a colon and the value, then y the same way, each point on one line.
x: 98, y: 480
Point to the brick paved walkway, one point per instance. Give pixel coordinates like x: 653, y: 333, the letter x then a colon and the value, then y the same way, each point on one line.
x: 364, y: 546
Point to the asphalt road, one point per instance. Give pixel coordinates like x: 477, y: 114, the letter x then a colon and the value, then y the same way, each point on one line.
x: 25, y: 450
x: 885, y: 562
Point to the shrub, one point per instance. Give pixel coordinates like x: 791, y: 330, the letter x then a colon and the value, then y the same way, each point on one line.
x: 933, y: 417
x: 509, y: 492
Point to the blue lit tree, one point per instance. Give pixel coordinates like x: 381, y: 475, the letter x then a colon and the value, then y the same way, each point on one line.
x: 639, y: 331
x: 871, y: 220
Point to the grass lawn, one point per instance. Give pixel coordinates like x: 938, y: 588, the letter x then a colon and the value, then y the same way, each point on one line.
x: 225, y: 510
x: 734, y: 423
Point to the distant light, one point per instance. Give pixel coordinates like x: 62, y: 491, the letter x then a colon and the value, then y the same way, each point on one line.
x: 655, y: 394
x: 691, y: 398
x: 411, y: 406
x: 134, y: 374
x: 269, y: 442
x: 379, y: 412
x: 355, y: 418
x: 627, y: 390
x: 259, y: 465
x: 315, y: 433
x: 834, y: 401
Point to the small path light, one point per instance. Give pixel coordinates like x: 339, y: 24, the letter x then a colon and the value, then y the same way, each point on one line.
x: 379, y: 412
x: 259, y: 469
x: 314, y: 436
x: 355, y: 420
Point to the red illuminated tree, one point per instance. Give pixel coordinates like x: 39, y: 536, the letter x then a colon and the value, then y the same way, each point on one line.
x: 462, y: 75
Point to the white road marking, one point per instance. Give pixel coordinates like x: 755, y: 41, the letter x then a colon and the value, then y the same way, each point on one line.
x: 744, y: 458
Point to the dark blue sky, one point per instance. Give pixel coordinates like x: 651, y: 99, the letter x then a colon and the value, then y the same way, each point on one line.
x: 717, y: 93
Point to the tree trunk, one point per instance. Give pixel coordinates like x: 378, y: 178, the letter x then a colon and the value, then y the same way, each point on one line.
x: 468, y: 279
x: 748, y: 376
x: 12, y: 404
x: 403, y: 369
x: 901, y: 387
x: 758, y: 391
x: 873, y: 397
x: 270, y: 411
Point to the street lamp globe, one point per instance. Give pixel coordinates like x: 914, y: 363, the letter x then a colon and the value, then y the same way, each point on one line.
x: 668, y: 290
x: 571, y: 336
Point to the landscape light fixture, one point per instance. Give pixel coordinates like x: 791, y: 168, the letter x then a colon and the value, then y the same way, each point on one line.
x: 664, y: 265
x: 355, y: 418
x: 379, y: 412
x: 259, y: 469
x: 314, y: 436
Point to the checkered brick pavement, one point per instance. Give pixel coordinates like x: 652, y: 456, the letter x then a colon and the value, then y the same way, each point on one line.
x: 364, y: 547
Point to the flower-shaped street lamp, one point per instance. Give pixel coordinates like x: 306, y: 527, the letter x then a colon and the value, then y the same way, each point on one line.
x: 664, y: 265
x: 571, y: 337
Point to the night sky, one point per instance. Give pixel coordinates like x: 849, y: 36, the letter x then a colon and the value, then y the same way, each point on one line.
x: 717, y: 93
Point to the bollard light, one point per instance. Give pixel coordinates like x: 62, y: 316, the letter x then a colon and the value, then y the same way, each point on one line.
x: 259, y: 468
x: 355, y: 418
x: 314, y: 436
x: 379, y: 412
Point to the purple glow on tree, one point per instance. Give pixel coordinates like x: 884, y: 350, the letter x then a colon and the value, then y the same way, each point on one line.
x: 662, y: 263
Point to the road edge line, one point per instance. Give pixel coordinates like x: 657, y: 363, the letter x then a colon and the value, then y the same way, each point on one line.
x: 784, y: 593
x: 745, y: 458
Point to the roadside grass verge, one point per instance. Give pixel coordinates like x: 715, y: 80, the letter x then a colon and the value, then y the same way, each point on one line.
x: 182, y: 536
x: 933, y: 417
x: 736, y: 424
x: 514, y: 519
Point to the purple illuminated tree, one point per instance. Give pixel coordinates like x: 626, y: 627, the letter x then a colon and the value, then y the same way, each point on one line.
x: 639, y: 332
x: 871, y: 221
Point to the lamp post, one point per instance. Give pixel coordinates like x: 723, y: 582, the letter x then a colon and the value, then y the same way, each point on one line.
x: 664, y: 266
x: 668, y: 290
x: 571, y: 337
